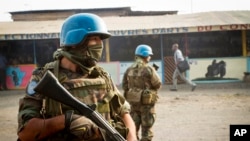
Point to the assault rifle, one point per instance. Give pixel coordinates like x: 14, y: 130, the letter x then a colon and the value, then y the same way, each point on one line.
x: 50, y: 87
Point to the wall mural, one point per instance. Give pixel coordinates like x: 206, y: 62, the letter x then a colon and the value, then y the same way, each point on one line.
x: 216, y: 69
x: 18, y: 76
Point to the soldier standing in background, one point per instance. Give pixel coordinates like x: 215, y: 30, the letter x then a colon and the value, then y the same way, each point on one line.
x: 141, y: 84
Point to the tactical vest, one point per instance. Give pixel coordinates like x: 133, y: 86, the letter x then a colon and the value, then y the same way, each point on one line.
x: 90, y: 91
x: 140, y: 90
x: 137, y: 77
x: 98, y: 91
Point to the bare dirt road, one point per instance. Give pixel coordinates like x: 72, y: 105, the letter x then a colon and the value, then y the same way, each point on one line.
x: 202, y: 115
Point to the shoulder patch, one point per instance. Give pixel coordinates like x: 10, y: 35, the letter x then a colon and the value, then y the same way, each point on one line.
x: 30, y: 88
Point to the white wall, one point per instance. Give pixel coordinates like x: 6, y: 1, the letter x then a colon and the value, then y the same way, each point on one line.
x: 235, y: 67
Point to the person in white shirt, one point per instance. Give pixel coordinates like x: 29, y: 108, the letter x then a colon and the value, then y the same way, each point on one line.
x: 178, y: 57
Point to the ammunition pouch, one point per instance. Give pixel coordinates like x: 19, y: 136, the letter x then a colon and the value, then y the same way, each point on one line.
x: 133, y: 95
x: 149, y: 97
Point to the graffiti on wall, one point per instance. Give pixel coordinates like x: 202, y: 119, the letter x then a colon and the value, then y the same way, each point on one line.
x: 18, y: 76
x: 216, y: 69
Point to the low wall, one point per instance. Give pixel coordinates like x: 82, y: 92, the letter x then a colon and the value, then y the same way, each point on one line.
x: 18, y: 76
x: 235, y: 67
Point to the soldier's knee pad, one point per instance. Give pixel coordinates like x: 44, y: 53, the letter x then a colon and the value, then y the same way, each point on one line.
x: 148, y: 119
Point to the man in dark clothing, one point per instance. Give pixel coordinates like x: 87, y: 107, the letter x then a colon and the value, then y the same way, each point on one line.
x: 3, y: 66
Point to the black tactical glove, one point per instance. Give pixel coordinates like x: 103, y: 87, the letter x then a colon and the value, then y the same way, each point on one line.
x: 82, y: 127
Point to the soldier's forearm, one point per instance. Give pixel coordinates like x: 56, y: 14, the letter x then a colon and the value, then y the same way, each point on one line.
x: 128, y: 121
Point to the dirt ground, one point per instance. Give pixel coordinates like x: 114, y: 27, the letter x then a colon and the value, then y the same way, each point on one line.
x: 202, y: 115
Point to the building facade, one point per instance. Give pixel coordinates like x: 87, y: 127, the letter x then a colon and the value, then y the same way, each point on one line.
x: 203, y: 37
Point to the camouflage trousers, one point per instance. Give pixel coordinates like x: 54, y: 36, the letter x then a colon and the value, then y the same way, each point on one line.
x: 144, y: 118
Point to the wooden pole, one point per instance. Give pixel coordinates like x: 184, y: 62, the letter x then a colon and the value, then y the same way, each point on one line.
x: 107, y: 50
x: 244, y: 43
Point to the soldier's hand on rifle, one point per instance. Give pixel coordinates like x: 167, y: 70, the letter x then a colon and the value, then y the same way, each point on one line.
x: 82, y: 127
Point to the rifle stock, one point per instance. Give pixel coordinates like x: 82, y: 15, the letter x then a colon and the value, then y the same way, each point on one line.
x: 49, y: 86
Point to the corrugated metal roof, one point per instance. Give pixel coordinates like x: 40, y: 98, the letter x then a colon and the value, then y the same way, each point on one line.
x: 135, y: 22
x: 33, y: 27
x: 185, y: 20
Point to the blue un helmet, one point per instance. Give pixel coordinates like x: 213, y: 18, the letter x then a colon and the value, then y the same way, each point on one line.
x: 77, y: 27
x: 143, y: 50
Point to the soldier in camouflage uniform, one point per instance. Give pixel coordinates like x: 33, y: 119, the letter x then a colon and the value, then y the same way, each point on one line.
x: 140, y: 84
x: 75, y: 67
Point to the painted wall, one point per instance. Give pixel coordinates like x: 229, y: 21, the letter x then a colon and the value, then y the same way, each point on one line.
x: 235, y: 67
x: 248, y: 64
x: 18, y: 76
x: 113, y: 68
